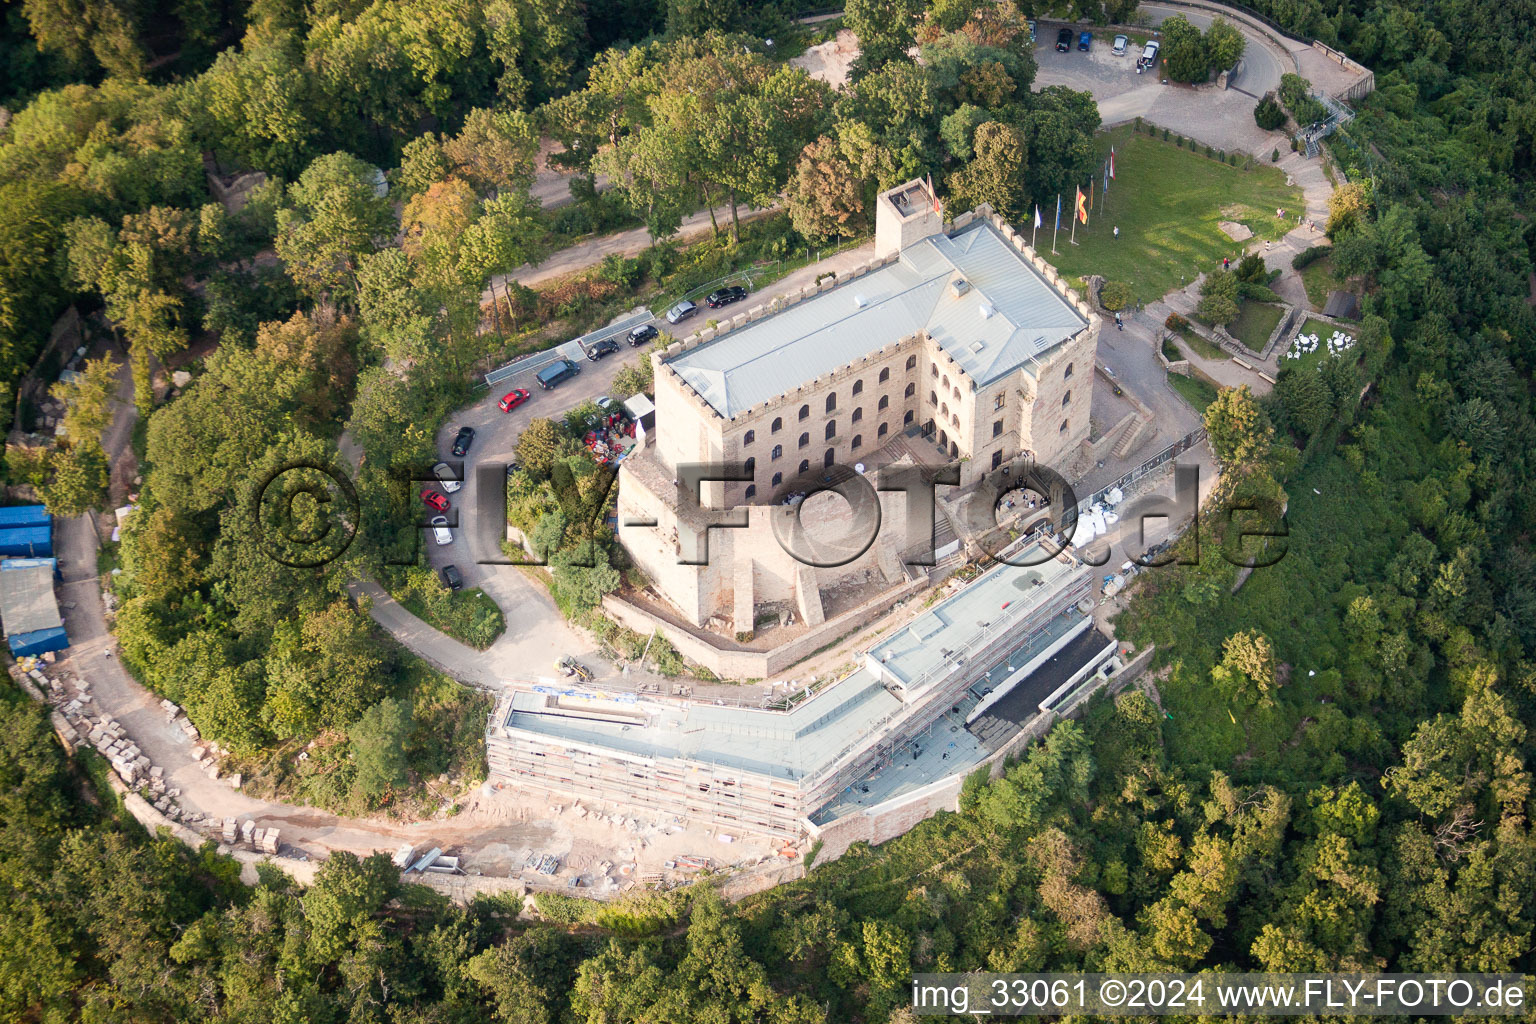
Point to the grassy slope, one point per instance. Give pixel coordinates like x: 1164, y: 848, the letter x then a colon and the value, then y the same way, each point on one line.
x: 1167, y: 202
x: 1255, y: 323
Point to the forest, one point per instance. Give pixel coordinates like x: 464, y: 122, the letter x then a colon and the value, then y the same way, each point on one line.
x: 1333, y: 775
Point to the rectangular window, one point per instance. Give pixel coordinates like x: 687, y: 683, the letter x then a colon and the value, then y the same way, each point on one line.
x: 997, y: 429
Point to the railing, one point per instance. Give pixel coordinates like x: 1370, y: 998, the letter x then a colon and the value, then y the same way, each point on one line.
x: 1178, y: 447
x: 535, y: 358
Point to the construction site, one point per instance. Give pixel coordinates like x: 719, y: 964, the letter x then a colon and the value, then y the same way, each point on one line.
x: 924, y: 704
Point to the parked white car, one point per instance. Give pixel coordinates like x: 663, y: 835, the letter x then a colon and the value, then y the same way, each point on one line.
x: 444, y: 474
x: 1121, y: 42
x: 440, y: 531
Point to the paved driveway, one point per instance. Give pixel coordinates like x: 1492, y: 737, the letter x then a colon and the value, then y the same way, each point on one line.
x: 1222, y: 118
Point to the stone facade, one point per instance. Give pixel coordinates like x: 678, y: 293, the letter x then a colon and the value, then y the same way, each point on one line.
x: 1038, y: 409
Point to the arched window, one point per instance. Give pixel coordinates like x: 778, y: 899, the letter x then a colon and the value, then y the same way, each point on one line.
x: 884, y: 427
x: 1068, y: 374
x: 778, y: 425
x: 778, y: 478
x: 858, y: 387
x: 831, y: 429
x: 858, y: 414
x: 933, y: 398
x: 1063, y: 429
x: 752, y: 466
x: 778, y: 452
x: 954, y: 450
x: 751, y: 490
x: 858, y: 439
x: 944, y: 409
x: 911, y: 362
x: 885, y: 375
x: 907, y: 418
x: 1066, y: 398
x: 911, y: 390
x: 826, y: 460
x: 946, y: 382
x: 805, y: 411
x: 954, y: 421
x: 805, y: 465
x: 943, y: 439
x: 750, y: 436
x: 805, y: 439
x: 933, y: 370
x: 832, y: 401
x: 957, y: 394
x: 885, y: 403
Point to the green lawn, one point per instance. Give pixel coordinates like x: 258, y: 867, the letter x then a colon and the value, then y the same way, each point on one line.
x: 1201, y: 347
x: 1324, y: 331
x: 1167, y: 202
x: 1195, y: 390
x: 1319, y: 280
x: 1255, y: 323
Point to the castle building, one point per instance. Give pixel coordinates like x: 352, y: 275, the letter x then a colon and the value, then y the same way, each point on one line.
x: 956, y: 340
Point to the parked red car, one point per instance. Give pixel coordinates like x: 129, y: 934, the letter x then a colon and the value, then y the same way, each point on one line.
x: 512, y: 399
x: 436, y: 500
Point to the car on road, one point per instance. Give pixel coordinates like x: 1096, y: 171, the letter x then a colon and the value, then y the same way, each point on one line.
x: 462, y: 440
x: 434, y: 499
x: 1121, y: 43
x: 452, y: 578
x: 1148, y: 58
x: 1085, y: 41
x: 680, y: 312
x: 606, y: 347
x: 445, y: 476
x: 642, y: 334
x: 726, y: 296
x: 440, y: 531
x: 512, y: 399
x: 1064, y: 41
x: 556, y: 373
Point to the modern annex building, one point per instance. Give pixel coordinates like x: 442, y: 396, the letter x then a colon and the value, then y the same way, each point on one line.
x: 956, y: 338
x: 913, y: 713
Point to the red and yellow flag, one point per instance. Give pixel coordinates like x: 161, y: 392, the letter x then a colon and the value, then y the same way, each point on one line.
x: 1082, y: 206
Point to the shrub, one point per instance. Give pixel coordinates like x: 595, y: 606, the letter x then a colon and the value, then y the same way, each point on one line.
x: 1115, y: 295
x: 1165, y: 134
x: 1274, y: 157
x: 1175, y: 322
x: 1268, y: 114
x: 1250, y: 268
x: 1209, y: 151
x: 1256, y: 292
x: 1310, y: 255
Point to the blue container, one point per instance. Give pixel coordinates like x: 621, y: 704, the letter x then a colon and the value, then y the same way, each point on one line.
x: 24, y: 515
x: 39, y: 641
x: 27, y: 542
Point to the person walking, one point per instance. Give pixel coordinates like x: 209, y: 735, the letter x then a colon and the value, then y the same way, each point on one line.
x: 1117, y: 230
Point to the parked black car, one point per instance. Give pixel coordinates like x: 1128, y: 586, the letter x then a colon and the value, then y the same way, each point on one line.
x: 640, y: 335
x: 726, y: 296
x: 606, y: 347
x: 452, y: 578
x: 462, y: 441
x: 680, y: 312
x: 1064, y: 41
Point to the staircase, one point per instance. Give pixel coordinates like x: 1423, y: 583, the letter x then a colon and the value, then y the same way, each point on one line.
x: 1338, y: 114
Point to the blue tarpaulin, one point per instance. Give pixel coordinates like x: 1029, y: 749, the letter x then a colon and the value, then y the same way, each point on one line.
x: 24, y: 515
x: 27, y: 542
x: 38, y: 641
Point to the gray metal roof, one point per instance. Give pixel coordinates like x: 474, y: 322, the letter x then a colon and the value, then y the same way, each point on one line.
x: 786, y: 745
x: 26, y: 596
x: 1007, y: 316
